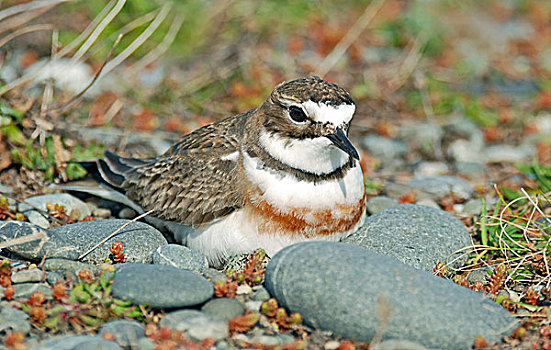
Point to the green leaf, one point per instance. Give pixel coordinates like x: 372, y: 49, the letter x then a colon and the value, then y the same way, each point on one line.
x: 75, y: 171
x: 14, y: 134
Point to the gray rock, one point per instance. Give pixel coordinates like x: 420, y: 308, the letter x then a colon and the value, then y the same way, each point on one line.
x: 423, y: 135
x: 428, y: 203
x: 140, y: 240
x: 376, y: 204
x: 160, y: 286
x: 127, y: 213
x: 5, y: 189
x: 127, y: 333
x: 14, y: 320
x: 146, y: 344
x: 253, y: 305
x: 440, y: 186
x: 25, y: 290
x: 470, y: 169
x: 259, y: 337
x: 397, y: 190
x: 214, y: 275
x: 260, y: 294
x: 466, y: 151
x: 30, y: 275
x: 398, y: 344
x: 198, y: 325
x: 347, y: 290
x: 463, y: 128
x: 472, y: 207
x: 383, y: 147
x: 53, y: 277
x: 414, y: 234
x: 479, y: 275
x: 180, y: 257
x: 508, y: 153
x: 428, y: 169
x: 64, y: 265
x: 224, y: 308
x: 36, y: 249
x: 71, y: 204
x: 74, y: 342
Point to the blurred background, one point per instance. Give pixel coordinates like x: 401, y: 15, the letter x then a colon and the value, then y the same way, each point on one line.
x: 465, y: 84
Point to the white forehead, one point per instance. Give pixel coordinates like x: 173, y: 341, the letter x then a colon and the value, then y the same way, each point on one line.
x: 324, y: 113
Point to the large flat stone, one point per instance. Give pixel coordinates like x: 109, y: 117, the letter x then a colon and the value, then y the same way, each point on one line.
x: 354, y: 293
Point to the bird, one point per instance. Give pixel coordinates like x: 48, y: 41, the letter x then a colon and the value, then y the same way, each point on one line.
x: 281, y: 173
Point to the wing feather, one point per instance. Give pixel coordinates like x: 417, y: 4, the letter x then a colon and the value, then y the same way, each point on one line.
x: 191, y: 183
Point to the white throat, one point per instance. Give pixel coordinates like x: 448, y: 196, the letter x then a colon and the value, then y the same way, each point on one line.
x: 317, y: 155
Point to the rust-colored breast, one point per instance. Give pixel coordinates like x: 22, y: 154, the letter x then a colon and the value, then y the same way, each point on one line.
x: 304, y: 221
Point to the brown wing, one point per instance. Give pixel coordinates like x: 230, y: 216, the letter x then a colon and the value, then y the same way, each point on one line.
x: 191, y: 183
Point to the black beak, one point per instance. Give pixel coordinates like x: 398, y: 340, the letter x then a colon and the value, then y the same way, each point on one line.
x: 340, y: 140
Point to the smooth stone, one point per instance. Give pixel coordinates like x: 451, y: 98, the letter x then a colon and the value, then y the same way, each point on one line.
x: 180, y: 257
x: 260, y: 294
x: 198, y: 325
x: 127, y: 214
x: 376, y: 204
x: 214, y: 275
x: 416, y: 235
x: 160, y: 286
x: 463, y: 127
x: 127, y: 333
x: 53, y: 277
x: 397, y: 190
x: 508, y: 153
x: 102, y: 213
x: 259, y: 337
x: 146, y: 344
x: 71, y: 203
x: 30, y: 275
x: 25, y: 290
x: 75, y: 267
x: 224, y: 308
x: 5, y: 189
x: 73, y: 342
x: 37, y: 218
x: 344, y: 289
x: 422, y: 135
x: 466, y: 151
x: 440, y: 186
x: 398, y: 344
x: 253, y: 305
x: 428, y: 203
x: 479, y: 275
x: 429, y: 169
x: 36, y: 249
x: 472, y: 207
x: 470, y: 169
x: 140, y: 240
x: 14, y: 320
x: 384, y: 148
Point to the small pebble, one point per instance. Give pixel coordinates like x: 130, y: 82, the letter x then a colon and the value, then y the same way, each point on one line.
x: 225, y: 308
x: 244, y: 289
x: 127, y: 333
x: 160, y: 286
x: 127, y: 213
x: 31, y: 275
x: 198, y: 325
x: 260, y: 294
x: 14, y: 320
x: 25, y: 290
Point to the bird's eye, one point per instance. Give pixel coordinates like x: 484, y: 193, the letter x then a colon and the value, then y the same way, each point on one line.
x: 297, y: 114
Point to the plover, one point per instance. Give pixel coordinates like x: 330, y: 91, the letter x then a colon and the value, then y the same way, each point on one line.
x: 280, y: 173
